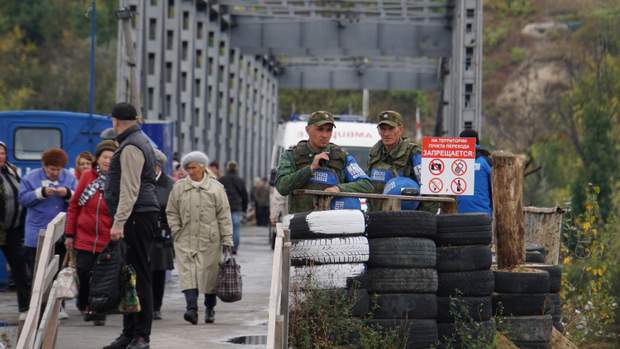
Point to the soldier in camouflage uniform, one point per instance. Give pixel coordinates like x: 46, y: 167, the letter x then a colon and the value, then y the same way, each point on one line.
x: 393, y: 156
x: 318, y: 164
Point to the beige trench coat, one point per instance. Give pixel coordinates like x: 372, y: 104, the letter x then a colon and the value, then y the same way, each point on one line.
x: 199, y: 217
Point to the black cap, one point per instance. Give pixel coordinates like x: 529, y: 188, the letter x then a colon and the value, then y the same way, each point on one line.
x: 124, y: 111
x: 470, y: 134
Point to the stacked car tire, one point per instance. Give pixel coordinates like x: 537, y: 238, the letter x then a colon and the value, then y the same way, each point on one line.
x: 328, y: 247
x: 465, y: 280
x: 520, y: 297
x: 402, y: 279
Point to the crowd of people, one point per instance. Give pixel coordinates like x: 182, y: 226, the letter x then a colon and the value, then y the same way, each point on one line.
x: 186, y: 220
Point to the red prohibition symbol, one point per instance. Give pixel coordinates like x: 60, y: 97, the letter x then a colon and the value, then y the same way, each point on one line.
x: 435, y: 185
x: 459, y: 167
x: 436, y: 166
x: 458, y: 186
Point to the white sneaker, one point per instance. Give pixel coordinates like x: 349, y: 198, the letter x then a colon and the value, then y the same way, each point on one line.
x: 22, y: 316
x: 62, y: 315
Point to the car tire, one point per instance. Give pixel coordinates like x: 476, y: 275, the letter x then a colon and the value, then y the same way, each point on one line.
x: 403, y: 306
x: 421, y: 333
x: 463, y: 258
x: 329, y: 251
x: 527, y: 328
x: 327, y: 224
x: 463, y: 237
x: 390, y: 280
x: 385, y: 224
x: 521, y: 281
x: 461, y: 220
x: 476, y: 308
x: 466, y: 284
x: 555, y: 275
x: 519, y: 304
x: 326, y: 276
x: 402, y: 253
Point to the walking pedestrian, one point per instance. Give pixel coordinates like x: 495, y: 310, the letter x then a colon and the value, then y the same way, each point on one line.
x: 482, y: 200
x: 83, y: 163
x: 200, y: 220
x: 237, y: 197
x: 12, y: 230
x: 87, y: 230
x: 162, y: 254
x: 260, y: 198
x: 318, y: 164
x: 132, y: 202
x: 45, y: 192
x: 214, y: 168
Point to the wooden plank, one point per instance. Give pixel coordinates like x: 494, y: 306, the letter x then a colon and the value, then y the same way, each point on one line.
x: 49, y: 320
x: 26, y: 338
x: 284, y: 297
x: 508, y: 206
x: 559, y: 341
x: 279, y: 332
x: 51, y: 271
x: 275, y: 290
x: 374, y: 196
x: 57, y: 225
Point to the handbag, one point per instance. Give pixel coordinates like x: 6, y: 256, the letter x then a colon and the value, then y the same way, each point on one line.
x: 130, y: 303
x: 67, y: 282
x: 229, y: 286
x: 105, y: 280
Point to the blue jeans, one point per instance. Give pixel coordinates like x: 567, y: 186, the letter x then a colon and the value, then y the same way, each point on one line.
x: 236, y: 222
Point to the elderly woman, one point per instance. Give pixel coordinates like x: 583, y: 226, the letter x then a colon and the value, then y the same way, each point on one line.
x: 162, y: 255
x: 88, y: 224
x: 199, y: 217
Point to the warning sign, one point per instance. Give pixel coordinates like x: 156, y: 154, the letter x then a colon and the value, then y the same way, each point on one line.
x: 457, y: 154
x: 436, y: 167
x: 435, y: 185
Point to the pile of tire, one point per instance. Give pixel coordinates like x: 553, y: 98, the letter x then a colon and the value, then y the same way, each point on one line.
x: 402, y: 279
x: 520, y: 298
x: 535, y: 255
x: 466, y: 282
x: 327, y: 248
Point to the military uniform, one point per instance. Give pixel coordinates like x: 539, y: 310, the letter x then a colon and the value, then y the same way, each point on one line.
x: 340, y: 170
x: 402, y: 161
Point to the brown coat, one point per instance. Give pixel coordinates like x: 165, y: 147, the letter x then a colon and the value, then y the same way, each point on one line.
x: 200, y: 221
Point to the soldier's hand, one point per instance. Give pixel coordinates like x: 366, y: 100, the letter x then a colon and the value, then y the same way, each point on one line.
x: 317, y: 158
x: 333, y: 189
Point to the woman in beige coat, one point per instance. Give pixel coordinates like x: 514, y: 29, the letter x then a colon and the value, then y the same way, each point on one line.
x: 199, y: 217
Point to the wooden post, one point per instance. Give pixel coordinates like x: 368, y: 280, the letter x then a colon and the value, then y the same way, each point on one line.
x: 508, y: 208
x: 274, y: 294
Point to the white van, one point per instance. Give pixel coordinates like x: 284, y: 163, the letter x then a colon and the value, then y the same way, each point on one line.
x: 355, y: 137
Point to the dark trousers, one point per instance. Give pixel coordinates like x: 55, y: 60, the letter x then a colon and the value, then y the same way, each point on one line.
x: 138, y: 232
x: 262, y: 215
x: 31, y: 256
x: 159, y: 284
x: 15, y: 256
x: 84, y: 262
x: 191, y: 299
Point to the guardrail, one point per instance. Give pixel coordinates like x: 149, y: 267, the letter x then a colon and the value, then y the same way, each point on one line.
x: 277, y: 326
x: 40, y: 331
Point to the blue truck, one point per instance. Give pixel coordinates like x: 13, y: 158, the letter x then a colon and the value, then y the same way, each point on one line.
x: 28, y: 133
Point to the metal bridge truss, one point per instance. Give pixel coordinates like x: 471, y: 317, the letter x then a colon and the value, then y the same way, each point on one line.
x: 214, y: 67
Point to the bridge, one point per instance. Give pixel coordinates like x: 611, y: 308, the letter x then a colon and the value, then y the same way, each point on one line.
x: 215, y: 67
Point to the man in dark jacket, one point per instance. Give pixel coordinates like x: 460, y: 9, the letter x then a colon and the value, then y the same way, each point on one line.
x: 237, y: 197
x: 12, y: 230
x: 132, y: 202
x: 162, y: 255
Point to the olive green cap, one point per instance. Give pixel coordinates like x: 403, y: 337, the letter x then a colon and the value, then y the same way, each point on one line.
x: 390, y: 118
x: 320, y: 117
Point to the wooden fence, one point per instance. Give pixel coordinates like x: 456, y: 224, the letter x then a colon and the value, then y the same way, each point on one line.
x: 40, y: 331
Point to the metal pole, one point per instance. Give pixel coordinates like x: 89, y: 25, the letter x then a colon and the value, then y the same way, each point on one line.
x: 91, y: 92
x: 365, y: 103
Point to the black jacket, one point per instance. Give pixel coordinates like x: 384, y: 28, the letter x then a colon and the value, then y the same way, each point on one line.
x: 163, y: 187
x: 236, y: 192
